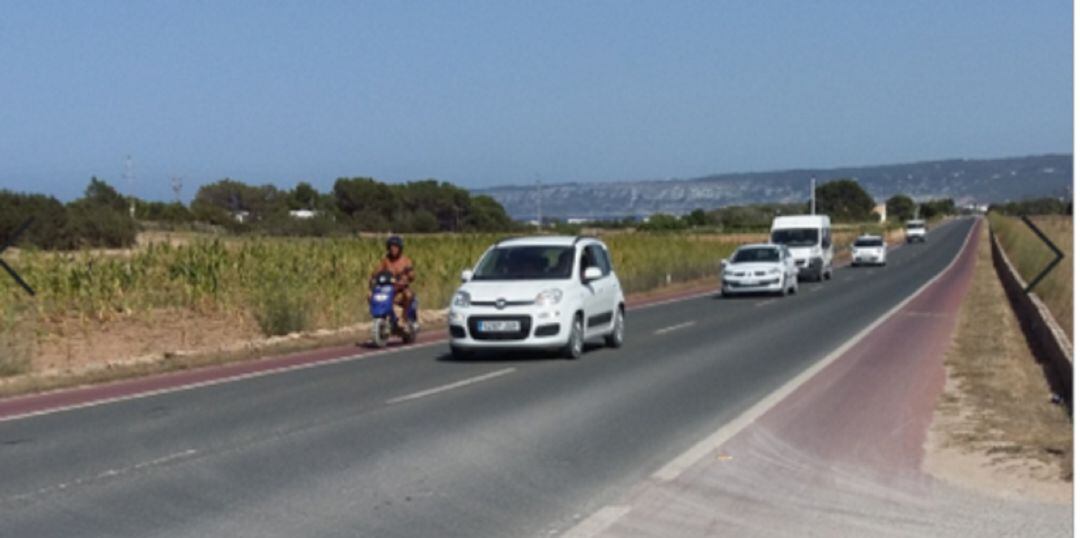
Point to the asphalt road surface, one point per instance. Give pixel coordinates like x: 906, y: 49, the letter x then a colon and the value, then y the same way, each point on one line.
x: 414, y: 444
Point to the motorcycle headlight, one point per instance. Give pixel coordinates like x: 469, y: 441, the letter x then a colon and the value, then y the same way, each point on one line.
x: 462, y: 299
x: 381, y: 297
x: 549, y: 297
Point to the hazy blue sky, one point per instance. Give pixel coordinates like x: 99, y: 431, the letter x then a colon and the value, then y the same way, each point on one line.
x: 483, y: 93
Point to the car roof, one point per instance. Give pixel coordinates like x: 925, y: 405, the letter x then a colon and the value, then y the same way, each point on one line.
x: 547, y: 240
x: 916, y: 221
x: 760, y: 245
x: 868, y: 236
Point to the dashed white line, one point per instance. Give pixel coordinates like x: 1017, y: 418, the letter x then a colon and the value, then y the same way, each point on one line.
x: 763, y: 303
x: 110, y: 473
x: 675, y: 327
x: 451, y: 386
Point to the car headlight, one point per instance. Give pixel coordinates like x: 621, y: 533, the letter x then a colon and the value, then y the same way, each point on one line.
x: 462, y: 299
x: 549, y: 297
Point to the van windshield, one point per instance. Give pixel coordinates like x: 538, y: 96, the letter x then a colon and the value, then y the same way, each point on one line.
x: 526, y: 263
x: 796, y: 237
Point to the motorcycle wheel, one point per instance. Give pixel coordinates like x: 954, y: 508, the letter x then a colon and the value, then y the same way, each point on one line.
x: 380, y: 332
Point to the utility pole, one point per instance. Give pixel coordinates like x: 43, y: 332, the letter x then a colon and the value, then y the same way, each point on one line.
x: 177, y: 184
x: 539, y: 205
x: 813, y: 195
x: 129, y: 178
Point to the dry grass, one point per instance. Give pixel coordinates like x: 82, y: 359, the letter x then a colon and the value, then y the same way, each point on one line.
x: 1029, y: 255
x: 997, y: 405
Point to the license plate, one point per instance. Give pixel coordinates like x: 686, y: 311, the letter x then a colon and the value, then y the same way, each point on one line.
x: 500, y: 326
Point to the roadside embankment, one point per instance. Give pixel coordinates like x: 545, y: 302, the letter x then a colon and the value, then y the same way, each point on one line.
x: 995, y: 428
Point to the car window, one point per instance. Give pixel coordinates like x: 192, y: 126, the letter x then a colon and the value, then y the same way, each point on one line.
x: 600, y: 258
x: 869, y: 242
x: 526, y: 263
x: 587, y: 261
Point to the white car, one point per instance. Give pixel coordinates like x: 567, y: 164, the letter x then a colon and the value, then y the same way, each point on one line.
x: 915, y: 230
x: 764, y: 268
x: 869, y: 250
x: 538, y: 293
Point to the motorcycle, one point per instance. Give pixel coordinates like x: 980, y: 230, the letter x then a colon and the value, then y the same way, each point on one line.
x: 385, y: 322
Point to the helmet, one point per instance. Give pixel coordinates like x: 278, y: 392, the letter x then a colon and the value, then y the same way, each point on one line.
x: 395, y: 240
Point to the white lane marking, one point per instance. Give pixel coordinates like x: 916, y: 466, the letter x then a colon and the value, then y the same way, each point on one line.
x: 451, y: 386
x: 675, y: 327
x: 110, y: 473
x: 597, y: 523
x: 684, y: 461
x: 763, y: 303
x: 709, y: 293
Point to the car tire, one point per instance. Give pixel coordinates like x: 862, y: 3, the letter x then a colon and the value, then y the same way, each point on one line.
x: 618, y: 330
x: 575, y: 342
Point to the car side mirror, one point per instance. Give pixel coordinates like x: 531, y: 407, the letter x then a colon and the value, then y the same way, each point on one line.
x: 723, y: 264
x: 466, y: 275
x: 592, y: 273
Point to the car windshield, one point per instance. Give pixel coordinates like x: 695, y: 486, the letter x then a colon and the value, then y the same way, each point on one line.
x: 796, y: 237
x: 915, y: 225
x: 868, y: 242
x: 751, y: 255
x: 526, y: 263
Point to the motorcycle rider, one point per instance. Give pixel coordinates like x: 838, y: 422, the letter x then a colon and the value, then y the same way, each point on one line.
x: 398, y: 264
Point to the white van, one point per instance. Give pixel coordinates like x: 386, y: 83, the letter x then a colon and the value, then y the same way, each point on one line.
x: 809, y: 238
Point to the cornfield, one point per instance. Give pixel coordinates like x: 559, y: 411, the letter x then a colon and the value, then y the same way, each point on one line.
x: 296, y: 284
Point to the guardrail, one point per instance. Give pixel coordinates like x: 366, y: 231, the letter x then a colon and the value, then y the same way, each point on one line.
x: 1047, y: 339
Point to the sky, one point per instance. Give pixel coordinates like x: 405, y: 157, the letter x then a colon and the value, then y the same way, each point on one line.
x: 484, y: 93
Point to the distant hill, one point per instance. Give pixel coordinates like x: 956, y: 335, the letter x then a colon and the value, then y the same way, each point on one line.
x: 974, y: 180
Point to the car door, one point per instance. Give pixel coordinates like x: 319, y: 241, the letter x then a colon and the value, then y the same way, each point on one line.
x: 599, y: 301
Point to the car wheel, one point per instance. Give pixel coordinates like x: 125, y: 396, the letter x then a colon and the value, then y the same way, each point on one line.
x: 618, y: 331
x: 575, y: 343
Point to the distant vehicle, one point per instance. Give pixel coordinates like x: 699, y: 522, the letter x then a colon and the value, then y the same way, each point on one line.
x: 869, y: 249
x: 809, y: 238
x: 763, y: 268
x: 538, y: 293
x: 915, y: 230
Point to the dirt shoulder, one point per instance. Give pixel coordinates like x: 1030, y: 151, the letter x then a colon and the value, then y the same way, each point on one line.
x: 995, y: 428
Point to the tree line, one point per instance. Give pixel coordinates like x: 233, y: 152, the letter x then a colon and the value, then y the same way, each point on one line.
x: 103, y: 217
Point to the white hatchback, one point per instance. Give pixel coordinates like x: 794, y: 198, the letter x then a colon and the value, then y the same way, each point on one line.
x: 764, y: 268
x: 538, y: 293
x: 869, y: 249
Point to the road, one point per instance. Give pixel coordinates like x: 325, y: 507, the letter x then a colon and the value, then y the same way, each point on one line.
x: 414, y: 444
